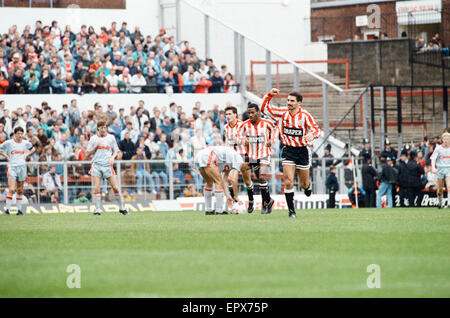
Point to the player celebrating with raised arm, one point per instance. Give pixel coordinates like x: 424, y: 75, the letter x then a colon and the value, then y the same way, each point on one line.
x: 257, y: 135
x: 232, y: 129
x: 105, y: 149
x: 16, y: 151
x: 212, y: 162
x: 441, y: 159
x: 297, y: 130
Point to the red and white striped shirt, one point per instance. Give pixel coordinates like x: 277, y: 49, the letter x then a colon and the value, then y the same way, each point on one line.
x: 293, y: 128
x: 232, y: 136
x: 257, y: 135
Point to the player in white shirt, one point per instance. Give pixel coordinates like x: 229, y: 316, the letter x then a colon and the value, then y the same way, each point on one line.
x: 440, y: 164
x: 16, y: 151
x: 212, y: 162
x: 105, y: 149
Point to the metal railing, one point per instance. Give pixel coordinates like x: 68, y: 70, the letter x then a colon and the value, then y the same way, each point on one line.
x: 345, y: 61
x: 269, y: 51
x: 164, y: 184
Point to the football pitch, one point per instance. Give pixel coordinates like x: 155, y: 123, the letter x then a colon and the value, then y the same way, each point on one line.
x: 322, y: 253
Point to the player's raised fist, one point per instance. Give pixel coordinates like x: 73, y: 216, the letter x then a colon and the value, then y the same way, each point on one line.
x: 275, y: 91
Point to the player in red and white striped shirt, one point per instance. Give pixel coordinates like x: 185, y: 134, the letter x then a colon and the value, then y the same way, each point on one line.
x: 257, y: 134
x: 298, y: 129
x: 232, y: 140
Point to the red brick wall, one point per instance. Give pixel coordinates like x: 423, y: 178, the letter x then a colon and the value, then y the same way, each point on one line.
x: 340, y: 21
x: 445, y: 25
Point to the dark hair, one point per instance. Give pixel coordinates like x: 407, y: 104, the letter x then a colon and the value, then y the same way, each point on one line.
x: 17, y: 129
x: 232, y: 108
x: 253, y: 105
x: 297, y: 95
x: 101, y: 123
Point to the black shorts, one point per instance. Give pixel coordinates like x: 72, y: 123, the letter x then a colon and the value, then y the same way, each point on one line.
x: 300, y: 157
x: 255, y: 164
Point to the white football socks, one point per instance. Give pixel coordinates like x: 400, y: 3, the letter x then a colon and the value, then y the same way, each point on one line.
x: 208, y: 199
x: 219, y: 201
x: 119, y: 200
x: 96, y: 198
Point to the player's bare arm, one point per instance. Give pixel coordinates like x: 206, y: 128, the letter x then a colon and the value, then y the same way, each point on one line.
x: 433, y: 166
x: 113, y: 157
x: 4, y: 155
x: 30, y: 153
x: 92, y: 151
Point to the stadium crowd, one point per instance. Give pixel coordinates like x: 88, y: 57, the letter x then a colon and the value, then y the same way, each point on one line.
x: 168, y: 133
x: 406, y: 176
x: 165, y: 133
x: 50, y: 60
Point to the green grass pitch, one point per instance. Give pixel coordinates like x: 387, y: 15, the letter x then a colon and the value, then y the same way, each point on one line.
x: 322, y: 253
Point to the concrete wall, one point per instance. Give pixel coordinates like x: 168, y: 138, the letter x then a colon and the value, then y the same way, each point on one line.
x: 281, y: 25
x: 383, y: 62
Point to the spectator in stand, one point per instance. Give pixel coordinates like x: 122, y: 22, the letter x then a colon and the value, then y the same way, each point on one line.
x: 166, y: 126
x: 17, y: 84
x: 52, y: 182
x: 230, y: 85
x: 221, y: 122
x: 165, y: 83
x: 332, y: 186
x: 115, y: 129
x: 113, y: 81
x: 386, y: 175
x: 139, y: 120
x: 179, y: 180
x: 211, y: 67
x: 217, y: 83
x: 203, y: 85
x: 4, y: 83
x: 159, y: 170
x: 431, y: 46
x: 191, y: 191
x: 329, y: 158
x: 132, y: 132
x: 124, y: 81
x: 178, y: 80
x: 163, y: 146
x: 143, y: 171
x: 150, y: 82
x: 202, y: 70
x: 358, y: 193
x: 403, y: 177
x: 64, y: 147
x: 137, y: 82
x: 127, y: 147
x: 88, y: 82
x: 415, y: 172
x: 223, y: 71
x: 420, y: 44
x: 59, y: 85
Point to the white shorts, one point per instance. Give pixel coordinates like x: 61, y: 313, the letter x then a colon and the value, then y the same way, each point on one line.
x: 443, y: 172
x: 206, y: 158
x: 103, y: 172
x: 17, y: 173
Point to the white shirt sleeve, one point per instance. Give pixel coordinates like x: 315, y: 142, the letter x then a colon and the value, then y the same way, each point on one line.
x: 92, y: 142
x: 435, y: 153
